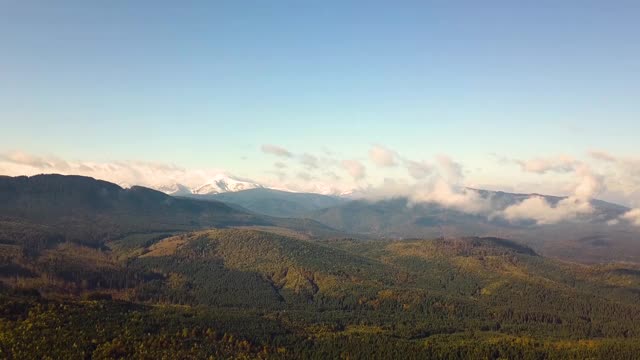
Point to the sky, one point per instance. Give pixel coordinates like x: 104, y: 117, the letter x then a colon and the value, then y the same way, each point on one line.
x: 522, y: 96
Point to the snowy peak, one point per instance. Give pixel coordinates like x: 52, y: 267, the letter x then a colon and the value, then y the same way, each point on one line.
x: 218, y: 184
x: 222, y: 183
x: 175, y: 189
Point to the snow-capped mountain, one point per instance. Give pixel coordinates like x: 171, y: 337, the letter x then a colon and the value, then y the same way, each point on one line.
x: 175, y: 189
x: 218, y: 184
x: 224, y: 183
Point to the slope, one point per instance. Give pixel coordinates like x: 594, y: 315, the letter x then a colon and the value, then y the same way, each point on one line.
x: 275, y: 202
x: 40, y: 210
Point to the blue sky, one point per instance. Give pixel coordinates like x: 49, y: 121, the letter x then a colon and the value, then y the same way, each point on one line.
x: 206, y: 84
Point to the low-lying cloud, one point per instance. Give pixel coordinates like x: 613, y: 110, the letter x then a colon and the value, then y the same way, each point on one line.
x: 538, y: 209
x: 440, y: 184
x: 632, y: 216
x: 578, y: 204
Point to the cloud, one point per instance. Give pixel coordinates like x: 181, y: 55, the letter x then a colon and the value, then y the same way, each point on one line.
x: 623, y: 176
x: 276, y: 150
x: 450, y: 170
x: 450, y: 196
x: 560, y: 164
x: 437, y: 191
x: 354, y: 168
x: 419, y: 169
x: 602, y: 156
x: 538, y: 209
x: 440, y: 184
x: 160, y: 176
x: 589, y: 185
x: 309, y: 161
x: 382, y: 156
x: 124, y: 173
x: 22, y: 158
x: 632, y: 216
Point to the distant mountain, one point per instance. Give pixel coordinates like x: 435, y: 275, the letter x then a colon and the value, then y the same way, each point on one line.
x: 399, y: 217
x: 224, y: 183
x: 275, y: 202
x: 396, y: 218
x: 47, y: 209
x: 220, y: 183
x: 174, y: 189
x: 589, y: 238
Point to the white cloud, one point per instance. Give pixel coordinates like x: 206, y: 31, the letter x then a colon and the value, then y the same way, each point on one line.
x: 160, y: 176
x: 276, y: 150
x: 458, y: 198
x: 538, y: 209
x: 419, y: 169
x: 354, y: 168
x: 382, y: 156
x: 124, y: 173
x: 623, y: 176
x: 541, y: 211
x: 437, y: 191
x: 590, y: 184
x: 632, y: 216
x: 441, y: 184
x: 450, y: 170
x: 560, y: 164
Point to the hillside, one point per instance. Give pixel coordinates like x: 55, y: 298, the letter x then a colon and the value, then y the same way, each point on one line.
x: 275, y: 202
x: 585, y: 240
x: 247, y: 292
x: 45, y: 209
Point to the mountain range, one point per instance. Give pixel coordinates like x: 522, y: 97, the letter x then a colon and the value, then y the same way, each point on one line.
x: 594, y: 236
x: 47, y: 209
x: 73, y: 207
x: 136, y: 273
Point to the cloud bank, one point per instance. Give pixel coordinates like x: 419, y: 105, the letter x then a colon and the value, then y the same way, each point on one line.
x: 540, y: 210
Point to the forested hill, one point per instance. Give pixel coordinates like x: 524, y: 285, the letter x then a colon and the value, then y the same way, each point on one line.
x: 275, y: 202
x: 51, y: 208
x: 233, y: 293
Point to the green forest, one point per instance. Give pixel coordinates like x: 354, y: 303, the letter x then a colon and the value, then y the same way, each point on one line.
x: 89, y: 270
x: 240, y: 293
